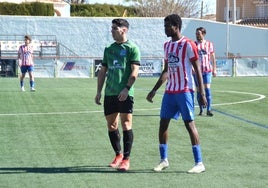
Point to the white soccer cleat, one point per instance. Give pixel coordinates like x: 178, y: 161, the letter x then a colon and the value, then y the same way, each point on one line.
x: 198, y: 168
x: 162, y: 165
x: 32, y: 89
x: 22, y: 88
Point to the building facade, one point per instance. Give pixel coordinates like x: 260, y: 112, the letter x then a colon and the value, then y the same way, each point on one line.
x: 245, y: 9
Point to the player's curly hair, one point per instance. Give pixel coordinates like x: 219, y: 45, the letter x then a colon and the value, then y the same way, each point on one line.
x: 174, y: 19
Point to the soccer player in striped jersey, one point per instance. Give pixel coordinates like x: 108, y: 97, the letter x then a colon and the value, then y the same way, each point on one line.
x: 121, y: 64
x: 26, y: 64
x: 208, y: 67
x: 180, y: 56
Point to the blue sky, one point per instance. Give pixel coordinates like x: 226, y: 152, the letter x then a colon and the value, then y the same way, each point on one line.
x: 211, y: 4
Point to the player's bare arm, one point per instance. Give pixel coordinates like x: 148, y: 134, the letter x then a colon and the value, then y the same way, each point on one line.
x: 214, y: 68
x: 101, y: 79
x: 132, y: 78
x: 200, y: 82
x: 162, y: 79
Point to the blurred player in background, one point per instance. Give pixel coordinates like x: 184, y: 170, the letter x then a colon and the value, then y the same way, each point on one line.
x: 208, y: 67
x: 181, y: 56
x: 120, y: 66
x: 26, y: 64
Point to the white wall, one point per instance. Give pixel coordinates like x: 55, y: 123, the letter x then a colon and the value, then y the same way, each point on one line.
x: 88, y: 36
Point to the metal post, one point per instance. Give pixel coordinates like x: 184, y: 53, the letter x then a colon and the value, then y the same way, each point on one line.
x: 234, y: 11
x: 227, y: 29
x: 202, y: 9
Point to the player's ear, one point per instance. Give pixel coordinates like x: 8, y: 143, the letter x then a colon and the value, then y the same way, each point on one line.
x: 125, y: 30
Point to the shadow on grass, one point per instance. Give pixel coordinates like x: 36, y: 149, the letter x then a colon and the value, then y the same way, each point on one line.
x: 77, y: 169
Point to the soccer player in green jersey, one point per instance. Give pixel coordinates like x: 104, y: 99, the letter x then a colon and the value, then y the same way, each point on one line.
x: 120, y: 67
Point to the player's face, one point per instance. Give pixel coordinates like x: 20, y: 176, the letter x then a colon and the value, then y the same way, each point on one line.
x: 117, y: 32
x: 170, y: 30
x: 27, y: 41
x: 199, y: 35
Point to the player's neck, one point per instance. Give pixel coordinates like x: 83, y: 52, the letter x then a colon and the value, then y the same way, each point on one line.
x: 202, y: 40
x: 121, y: 41
x: 176, y: 37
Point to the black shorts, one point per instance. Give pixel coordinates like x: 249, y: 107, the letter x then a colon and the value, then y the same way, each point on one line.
x: 113, y: 105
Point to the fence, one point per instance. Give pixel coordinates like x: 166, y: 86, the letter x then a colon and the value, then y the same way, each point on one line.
x: 243, y: 66
x: 87, y: 67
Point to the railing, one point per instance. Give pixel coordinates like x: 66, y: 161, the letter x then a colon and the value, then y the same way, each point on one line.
x: 45, y: 46
x: 260, y: 2
x: 65, y: 51
x: 263, y: 22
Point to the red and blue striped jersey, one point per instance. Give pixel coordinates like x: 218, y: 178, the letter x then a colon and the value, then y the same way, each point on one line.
x: 205, y: 49
x: 26, y: 55
x: 178, y: 56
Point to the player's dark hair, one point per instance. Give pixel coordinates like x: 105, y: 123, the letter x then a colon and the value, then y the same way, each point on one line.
x: 27, y: 37
x: 120, y: 22
x: 202, y: 29
x: 174, y: 19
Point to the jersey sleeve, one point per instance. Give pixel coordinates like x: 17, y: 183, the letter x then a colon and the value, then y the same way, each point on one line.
x: 165, y: 53
x: 104, y: 60
x: 135, y: 56
x: 192, y: 51
x: 20, y: 50
x: 211, y: 47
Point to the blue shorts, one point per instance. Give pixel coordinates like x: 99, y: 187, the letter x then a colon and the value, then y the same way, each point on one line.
x: 25, y: 69
x: 207, y: 77
x: 174, y: 105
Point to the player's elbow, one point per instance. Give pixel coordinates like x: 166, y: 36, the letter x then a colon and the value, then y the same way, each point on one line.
x: 134, y: 77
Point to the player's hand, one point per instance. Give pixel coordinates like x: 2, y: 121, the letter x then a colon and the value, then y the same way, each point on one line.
x: 19, y: 62
x: 123, y: 95
x: 97, y: 99
x: 150, y: 96
x: 214, y: 73
x: 203, y: 101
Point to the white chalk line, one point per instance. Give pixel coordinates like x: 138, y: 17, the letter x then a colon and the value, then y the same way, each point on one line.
x: 259, y: 97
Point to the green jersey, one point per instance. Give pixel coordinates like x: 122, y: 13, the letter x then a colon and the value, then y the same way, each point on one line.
x: 118, y: 59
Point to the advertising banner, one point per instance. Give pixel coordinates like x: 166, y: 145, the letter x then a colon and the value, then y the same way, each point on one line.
x: 97, y: 66
x: 44, y: 68
x: 150, y: 67
x: 74, y: 68
x: 252, y: 67
x: 14, y: 45
x: 224, y: 67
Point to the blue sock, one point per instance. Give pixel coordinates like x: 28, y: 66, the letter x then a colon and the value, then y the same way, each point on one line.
x: 197, y: 153
x: 21, y: 83
x: 209, y: 98
x: 163, y: 149
x: 31, y: 83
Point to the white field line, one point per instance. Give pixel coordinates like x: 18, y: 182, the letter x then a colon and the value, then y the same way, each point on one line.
x: 259, y: 97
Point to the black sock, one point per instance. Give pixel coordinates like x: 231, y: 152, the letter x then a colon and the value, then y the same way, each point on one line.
x: 128, y: 140
x: 115, y: 141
